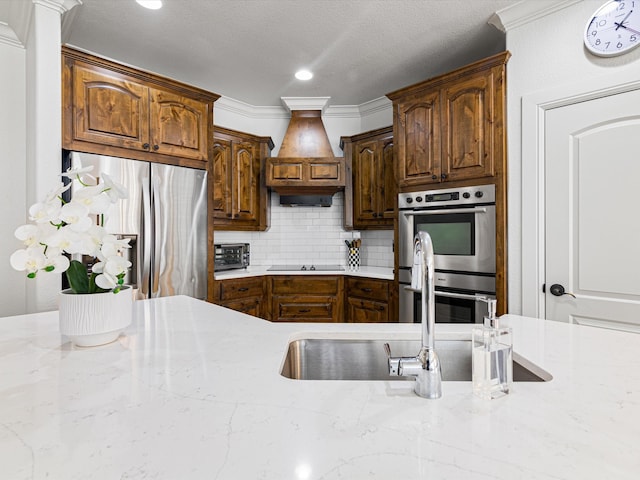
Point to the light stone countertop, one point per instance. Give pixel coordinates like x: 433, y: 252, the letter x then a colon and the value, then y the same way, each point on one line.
x: 382, y: 273
x: 193, y: 391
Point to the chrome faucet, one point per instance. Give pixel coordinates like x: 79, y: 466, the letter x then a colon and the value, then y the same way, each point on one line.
x: 425, y: 366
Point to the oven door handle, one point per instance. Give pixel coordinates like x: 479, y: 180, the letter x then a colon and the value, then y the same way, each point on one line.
x: 463, y: 296
x: 444, y: 212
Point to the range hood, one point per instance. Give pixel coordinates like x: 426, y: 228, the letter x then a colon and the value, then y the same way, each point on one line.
x: 306, y: 200
x: 305, y: 164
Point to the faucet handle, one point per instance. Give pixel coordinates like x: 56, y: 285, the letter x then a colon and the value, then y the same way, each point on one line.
x: 393, y: 363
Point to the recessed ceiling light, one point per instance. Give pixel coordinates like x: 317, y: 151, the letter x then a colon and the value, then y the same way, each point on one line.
x: 150, y: 4
x: 304, y: 75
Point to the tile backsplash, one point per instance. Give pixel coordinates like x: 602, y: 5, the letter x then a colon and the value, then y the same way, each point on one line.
x: 311, y: 235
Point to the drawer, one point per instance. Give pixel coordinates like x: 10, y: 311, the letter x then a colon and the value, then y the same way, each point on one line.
x: 305, y: 285
x: 236, y: 288
x: 368, y: 288
x: 304, y: 309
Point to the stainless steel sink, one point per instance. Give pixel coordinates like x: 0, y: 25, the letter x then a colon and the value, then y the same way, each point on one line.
x: 357, y: 359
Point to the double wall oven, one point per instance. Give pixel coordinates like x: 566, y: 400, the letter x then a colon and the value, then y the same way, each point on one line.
x: 462, y: 226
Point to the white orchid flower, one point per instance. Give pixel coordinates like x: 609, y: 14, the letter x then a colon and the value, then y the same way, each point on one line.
x: 31, y: 259
x: 94, y: 198
x: 114, y: 189
x: 57, y: 263
x: 109, y: 270
x: 56, y: 193
x: 28, y: 234
x: 111, y: 245
x: 76, y: 215
x: 42, y: 212
x: 75, y: 173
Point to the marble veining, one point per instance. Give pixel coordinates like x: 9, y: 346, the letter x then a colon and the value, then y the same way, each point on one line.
x: 193, y: 391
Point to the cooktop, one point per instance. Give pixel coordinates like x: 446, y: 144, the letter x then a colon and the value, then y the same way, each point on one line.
x: 294, y: 268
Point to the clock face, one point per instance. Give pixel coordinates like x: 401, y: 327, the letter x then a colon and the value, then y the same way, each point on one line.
x: 614, y: 28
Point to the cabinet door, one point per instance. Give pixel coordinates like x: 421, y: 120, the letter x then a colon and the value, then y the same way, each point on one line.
x: 367, y: 186
x: 178, y: 125
x: 388, y: 194
x: 366, y: 311
x: 222, y: 180
x: 246, y: 182
x: 109, y: 109
x: 468, y: 128
x: 418, y: 141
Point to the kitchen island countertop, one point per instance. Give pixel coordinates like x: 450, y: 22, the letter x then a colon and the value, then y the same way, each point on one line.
x: 193, y: 391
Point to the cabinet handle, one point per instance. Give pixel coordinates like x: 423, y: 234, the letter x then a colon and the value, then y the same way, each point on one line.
x: 156, y: 147
x: 229, y: 215
x: 306, y: 310
x: 145, y: 146
x: 236, y: 215
x: 367, y: 290
x: 434, y: 177
x: 375, y: 215
x: 443, y: 176
x: 243, y: 289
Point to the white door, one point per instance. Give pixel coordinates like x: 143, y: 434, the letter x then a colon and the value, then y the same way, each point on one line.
x: 592, y: 208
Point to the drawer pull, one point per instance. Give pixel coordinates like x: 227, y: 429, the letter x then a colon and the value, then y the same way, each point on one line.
x: 305, y: 310
x: 243, y: 289
x: 367, y: 290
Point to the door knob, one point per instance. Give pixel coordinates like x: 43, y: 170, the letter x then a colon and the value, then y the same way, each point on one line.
x: 558, y: 290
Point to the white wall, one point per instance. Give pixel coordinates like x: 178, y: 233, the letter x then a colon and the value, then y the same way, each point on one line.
x: 13, y: 160
x: 547, y: 54
x: 30, y: 136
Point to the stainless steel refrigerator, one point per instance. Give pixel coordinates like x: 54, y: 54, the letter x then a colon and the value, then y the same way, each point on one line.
x: 165, y: 218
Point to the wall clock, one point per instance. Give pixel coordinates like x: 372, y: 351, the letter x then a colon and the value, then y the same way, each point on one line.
x: 614, y: 28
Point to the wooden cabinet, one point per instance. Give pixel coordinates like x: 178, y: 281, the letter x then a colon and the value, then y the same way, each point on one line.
x: 117, y: 110
x: 246, y: 295
x: 241, y: 199
x: 370, y: 188
x: 301, y: 298
x: 312, y: 175
x: 451, y: 128
x: 367, y: 300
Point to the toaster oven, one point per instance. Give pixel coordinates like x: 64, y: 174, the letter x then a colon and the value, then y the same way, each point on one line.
x: 229, y: 256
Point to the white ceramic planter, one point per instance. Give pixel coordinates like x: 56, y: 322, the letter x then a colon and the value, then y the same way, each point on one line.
x: 94, y: 319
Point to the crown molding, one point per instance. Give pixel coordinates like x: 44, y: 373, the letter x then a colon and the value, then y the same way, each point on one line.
x: 250, y: 111
x: 15, y: 28
x: 375, y: 106
x: 525, y: 12
x: 305, y: 103
x: 238, y: 107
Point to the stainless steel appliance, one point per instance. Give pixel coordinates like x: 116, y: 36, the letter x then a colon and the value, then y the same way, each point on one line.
x: 229, y: 256
x: 166, y: 218
x: 461, y: 223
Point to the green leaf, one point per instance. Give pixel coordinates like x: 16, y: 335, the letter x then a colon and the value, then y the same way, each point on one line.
x: 78, y: 277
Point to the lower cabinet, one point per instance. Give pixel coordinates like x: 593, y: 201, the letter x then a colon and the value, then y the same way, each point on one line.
x: 246, y: 295
x: 367, y: 300
x: 301, y: 298
x: 308, y: 298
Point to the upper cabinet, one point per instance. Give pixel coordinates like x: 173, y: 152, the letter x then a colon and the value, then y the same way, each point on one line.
x: 370, y: 187
x: 451, y: 128
x: 117, y: 110
x: 240, y: 195
x: 306, y: 175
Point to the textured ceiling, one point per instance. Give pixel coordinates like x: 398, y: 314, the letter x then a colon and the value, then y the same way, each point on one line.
x: 248, y: 50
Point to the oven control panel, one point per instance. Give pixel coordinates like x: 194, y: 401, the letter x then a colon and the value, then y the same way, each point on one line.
x: 485, y: 194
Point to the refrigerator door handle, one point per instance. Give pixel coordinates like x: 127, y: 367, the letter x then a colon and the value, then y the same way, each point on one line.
x: 157, y: 233
x: 145, y: 228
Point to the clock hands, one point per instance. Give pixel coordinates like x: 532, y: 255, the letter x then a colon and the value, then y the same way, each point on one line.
x: 621, y: 24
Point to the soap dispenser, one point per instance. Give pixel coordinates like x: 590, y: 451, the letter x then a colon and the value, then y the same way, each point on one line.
x: 492, y: 357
